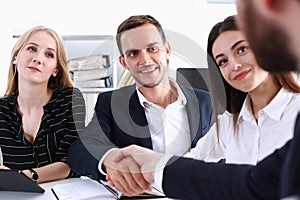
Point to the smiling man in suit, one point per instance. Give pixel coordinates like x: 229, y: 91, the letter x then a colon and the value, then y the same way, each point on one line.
x: 155, y: 112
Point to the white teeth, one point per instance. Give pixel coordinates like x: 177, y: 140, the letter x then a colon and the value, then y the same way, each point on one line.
x: 148, y: 69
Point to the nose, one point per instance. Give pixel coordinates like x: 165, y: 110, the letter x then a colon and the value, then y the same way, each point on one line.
x: 145, y: 58
x: 36, y: 60
x: 235, y: 64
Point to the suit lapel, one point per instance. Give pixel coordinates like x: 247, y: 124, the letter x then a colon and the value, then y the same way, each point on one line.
x: 193, y: 114
x: 139, y: 121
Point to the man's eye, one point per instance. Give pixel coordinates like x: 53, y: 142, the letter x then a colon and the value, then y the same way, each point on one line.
x: 132, y: 53
x: 153, y: 49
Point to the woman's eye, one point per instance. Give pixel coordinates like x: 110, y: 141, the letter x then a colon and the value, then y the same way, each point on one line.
x: 221, y: 63
x: 50, y: 55
x: 30, y: 48
x: 242, y: 50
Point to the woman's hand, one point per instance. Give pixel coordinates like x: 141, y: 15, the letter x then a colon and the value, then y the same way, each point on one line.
x: 3, y: 167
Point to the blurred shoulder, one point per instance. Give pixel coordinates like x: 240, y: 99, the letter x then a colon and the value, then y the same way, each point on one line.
x: 199, y: 93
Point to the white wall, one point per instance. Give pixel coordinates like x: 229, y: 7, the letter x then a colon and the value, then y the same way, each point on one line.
x: 190, y: 18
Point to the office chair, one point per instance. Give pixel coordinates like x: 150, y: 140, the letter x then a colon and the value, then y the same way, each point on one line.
x: 193, y: 77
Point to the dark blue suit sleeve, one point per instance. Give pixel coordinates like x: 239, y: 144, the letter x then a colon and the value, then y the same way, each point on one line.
x: 186, y: 178
x: 290, y: 184
x: 82, y: 162
x: 85, y: 153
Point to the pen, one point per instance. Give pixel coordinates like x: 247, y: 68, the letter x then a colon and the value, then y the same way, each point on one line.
x: 1, y: 158
x: 54, y: 194
x: 114, y: 192
x: 111, y: 190
x: 157, y: 190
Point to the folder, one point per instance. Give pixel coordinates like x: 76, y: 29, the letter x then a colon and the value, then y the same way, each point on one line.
x: 15, y: 180
x: 82, y: 189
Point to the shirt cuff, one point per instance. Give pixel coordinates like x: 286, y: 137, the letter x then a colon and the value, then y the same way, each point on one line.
x: 101, y: 161
x: 159, y: 170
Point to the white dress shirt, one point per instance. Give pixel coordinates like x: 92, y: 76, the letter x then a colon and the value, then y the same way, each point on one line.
x: 250, y: 142
x: 169, y: 127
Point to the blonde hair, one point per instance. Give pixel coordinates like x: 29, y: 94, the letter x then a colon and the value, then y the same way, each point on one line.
x: 62, y: 79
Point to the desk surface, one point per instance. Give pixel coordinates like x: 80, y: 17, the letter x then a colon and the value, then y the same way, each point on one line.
x: 47, y: 195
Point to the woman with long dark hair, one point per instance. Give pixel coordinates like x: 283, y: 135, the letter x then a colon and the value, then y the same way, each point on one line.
x: 257, y: 103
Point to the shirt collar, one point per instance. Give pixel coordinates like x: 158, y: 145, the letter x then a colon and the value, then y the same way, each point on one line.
x: 278, y: 105
x: 274, y: 109
x: 181, y: 99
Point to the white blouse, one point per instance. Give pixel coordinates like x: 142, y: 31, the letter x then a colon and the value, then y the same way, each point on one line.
x: 250, y: 142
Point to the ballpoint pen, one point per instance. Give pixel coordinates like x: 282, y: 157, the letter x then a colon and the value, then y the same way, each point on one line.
x: 54, y: 193
x: 111, y: 190
x: 1, y: 158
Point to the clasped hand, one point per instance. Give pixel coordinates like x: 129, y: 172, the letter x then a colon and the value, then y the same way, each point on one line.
x: 131, y: 169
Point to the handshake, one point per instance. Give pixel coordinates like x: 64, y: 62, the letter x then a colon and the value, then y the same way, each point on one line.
x: 131, y: 169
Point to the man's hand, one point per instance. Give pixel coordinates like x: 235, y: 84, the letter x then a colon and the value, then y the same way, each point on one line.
x: 125, y: 175
x: 145, y: 158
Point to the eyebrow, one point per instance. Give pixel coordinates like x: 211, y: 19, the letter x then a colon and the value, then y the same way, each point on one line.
x: 233, y: 46
x: 149, y: 45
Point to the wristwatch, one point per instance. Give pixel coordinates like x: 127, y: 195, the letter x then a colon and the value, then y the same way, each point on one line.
x: 34, y: 175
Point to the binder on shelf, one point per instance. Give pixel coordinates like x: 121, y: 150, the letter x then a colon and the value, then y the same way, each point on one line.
x: 92, y: 74
x: 91, y: 71
x: 97, y: 83
x: 89, y: 62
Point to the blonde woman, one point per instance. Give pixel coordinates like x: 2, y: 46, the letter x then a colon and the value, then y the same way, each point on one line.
x: 41, y: 112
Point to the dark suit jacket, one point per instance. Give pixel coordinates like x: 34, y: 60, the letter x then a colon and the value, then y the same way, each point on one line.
x: 120, y: 121
x: 276, y: 176
x: 290, y: 179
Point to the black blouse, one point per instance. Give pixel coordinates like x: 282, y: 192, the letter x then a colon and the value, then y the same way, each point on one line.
x: 63, y: 118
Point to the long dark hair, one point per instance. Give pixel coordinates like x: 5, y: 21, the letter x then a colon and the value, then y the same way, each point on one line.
x: 234, y: 97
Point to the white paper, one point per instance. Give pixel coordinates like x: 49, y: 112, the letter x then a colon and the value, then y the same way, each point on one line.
x: 84, y: 189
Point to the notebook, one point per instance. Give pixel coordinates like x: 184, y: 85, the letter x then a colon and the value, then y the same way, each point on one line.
x: 83, y: 189
x: 13, y: 180
x: 88, y: 189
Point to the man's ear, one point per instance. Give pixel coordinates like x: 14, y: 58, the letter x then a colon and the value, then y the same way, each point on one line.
x: 168, y: 50
x: 122, y: 61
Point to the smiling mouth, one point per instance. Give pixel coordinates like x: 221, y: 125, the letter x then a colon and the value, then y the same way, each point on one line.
x: 149, y: 69
x: 241, y: 75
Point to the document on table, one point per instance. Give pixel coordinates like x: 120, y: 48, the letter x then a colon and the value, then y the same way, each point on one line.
x: 84, y: 189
